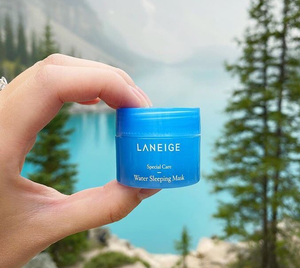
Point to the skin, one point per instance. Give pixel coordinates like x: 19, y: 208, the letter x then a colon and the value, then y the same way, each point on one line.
x: 33, y: 216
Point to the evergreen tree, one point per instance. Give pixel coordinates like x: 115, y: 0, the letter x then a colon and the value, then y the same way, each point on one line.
x: 72, y: 52
x: 48, y: 45
x: 1, y: 69
x: 10, y: 53
x: 34, y: 55
x: 22, y: 53
x: 285, y: 180
x: 2, y: 53
x: 257, y: 156
x: 183, y: 245
x: 51, y: 159
x: 18, y: 68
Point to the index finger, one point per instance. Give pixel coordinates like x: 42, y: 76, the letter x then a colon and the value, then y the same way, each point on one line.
x: 27, y: 110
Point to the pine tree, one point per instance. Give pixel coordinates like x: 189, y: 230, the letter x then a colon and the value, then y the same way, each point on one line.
x: 285, y: 180
x: 22, y: 53
x: 51, y: 159
x: 183, y: 245
x: 10, y: 53
x: 72, y: 52
x: 53, y: 169
x: 18, y: 68
x: 2, y: 53
x: 48, y: 45
x: 257, y: 156
x: 34, y: 51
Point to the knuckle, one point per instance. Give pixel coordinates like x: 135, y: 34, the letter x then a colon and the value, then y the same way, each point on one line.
x: 125, y: 75
x: 121, y: 72
x: 9, y: 165
x: 113, y: 75
x: 42, y: 76
x: 53, y: 59
x: 38, y: 64
x: 117, y: 212
x: 113, y: 79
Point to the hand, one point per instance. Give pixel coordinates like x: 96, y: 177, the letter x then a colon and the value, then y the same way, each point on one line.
x: 33, y: 216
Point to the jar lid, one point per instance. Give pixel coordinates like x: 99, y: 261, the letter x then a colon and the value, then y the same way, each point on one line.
x: 157, y: 122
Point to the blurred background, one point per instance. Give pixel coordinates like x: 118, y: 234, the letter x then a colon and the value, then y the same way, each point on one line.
x: 176, y: 52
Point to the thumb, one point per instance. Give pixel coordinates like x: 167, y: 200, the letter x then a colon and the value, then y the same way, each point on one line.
x: 96, y: 207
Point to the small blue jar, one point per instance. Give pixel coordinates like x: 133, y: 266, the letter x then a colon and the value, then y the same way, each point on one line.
x: 158, y: 147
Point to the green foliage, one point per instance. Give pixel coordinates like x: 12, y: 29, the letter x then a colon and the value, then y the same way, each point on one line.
x: 183, y: 245
x: 289, y: 244
x: 51, y: 158
x: 68, y: 251
x: 18, y: 68
x: 247, y: 258
x: 10, y: 69
x: 146, y: 264
x: 113, y: 260
x: 22, y: 53
x: 257, y: 157
x: 250, y: 257
x: 14, y: 52
x: 2, y: 52
x: 1, y: 68
x: 34, y: 56
x: 48, y: 45
x: 9, y: 40
x: 13, y: 57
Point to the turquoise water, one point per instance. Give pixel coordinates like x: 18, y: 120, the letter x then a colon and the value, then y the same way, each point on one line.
x: 158, y: 221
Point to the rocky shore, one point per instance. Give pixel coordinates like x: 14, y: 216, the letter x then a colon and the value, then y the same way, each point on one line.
x: 210, y: 253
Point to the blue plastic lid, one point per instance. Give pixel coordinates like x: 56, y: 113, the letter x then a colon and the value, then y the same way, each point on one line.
x: 157, y: 122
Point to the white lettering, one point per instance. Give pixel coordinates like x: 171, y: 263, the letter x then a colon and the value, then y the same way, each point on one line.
x: 159, y: 147
x: 138, y: 148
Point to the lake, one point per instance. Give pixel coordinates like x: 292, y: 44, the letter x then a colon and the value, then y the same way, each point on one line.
x: 158, y: 221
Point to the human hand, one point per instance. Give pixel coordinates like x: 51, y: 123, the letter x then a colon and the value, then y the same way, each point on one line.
x: 33, y: 216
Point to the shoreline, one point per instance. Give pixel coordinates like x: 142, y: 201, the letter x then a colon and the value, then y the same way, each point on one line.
x: 210, y: 252
x: 100, y: 107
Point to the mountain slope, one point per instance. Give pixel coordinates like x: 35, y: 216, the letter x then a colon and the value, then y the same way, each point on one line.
x: 174, y: 31
x: 76, y: 26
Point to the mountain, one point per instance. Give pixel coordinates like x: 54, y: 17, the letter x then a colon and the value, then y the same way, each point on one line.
x: 76, y: 26
x: 137, y: 35
x: 174, y: 31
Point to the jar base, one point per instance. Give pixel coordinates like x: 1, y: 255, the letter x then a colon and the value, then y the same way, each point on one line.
x: 166, y: 186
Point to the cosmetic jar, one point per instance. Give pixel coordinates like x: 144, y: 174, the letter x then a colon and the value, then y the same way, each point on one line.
x: 158, y: 147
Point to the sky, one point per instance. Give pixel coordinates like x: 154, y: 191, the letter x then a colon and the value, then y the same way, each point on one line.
x: 173, y: 31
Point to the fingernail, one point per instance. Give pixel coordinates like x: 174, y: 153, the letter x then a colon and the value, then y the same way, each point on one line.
x: 140, y: 96
x: 145, y: 96
x: 145, y: 193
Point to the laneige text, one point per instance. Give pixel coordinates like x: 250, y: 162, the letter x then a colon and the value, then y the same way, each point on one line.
x: 158, y: 147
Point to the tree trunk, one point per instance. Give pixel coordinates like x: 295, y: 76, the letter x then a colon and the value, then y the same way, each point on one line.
x: 184, y: 262
x: 265, y: 246
x: 265, y: 182
x: 265, y: 223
